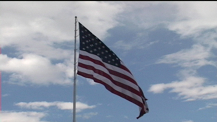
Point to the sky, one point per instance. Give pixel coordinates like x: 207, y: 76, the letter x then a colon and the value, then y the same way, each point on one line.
x: 170, y: 48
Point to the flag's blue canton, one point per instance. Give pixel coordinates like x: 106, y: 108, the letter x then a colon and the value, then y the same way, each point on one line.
x: 91, y: 44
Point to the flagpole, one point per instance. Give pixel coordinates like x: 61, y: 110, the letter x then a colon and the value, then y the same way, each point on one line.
x: 74, y: 91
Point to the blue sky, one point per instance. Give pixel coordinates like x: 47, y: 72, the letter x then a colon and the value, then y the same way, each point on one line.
x: 170, y: 47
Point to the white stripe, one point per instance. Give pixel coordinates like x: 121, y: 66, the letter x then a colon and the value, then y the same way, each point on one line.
x: 108, y: 82
x: 111, y: 67
x: 116, y: 78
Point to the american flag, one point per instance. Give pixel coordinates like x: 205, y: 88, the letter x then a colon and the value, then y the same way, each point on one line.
x: 96, y: 61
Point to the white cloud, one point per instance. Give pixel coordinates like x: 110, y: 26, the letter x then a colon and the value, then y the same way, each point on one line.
x: 158, y: 88
x: 7, y: 116
x: 191, y: 88
x: 194, y: 17
x: 210, y: 105
x: 146, y: 14
x: 185, y: 18
x: 195, y: 57
x: 35, y: 105
x: 91, y: 82
x: 196, y: 20
x: 5, y: 95
x: 24, y: 22
x: 188, y: 121
x: 69, y: 106
x: 34, y: 69
x: 88, y: 115
x: 60, y: 105
x: 123, y: 45
x: 34, y: 30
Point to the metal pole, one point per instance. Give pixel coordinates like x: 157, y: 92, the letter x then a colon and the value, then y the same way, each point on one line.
x: 74, y: 91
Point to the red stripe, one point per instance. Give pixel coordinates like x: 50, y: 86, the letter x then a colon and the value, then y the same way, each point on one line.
x: 110, y: 78
x: 123, y: 73
x: 110, y: 71
x: 112, y: 90
x: 122, y: 76
x: 125, y: 68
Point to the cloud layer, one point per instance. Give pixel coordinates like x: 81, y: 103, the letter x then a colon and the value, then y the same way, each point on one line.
x: 60, y: 105
x: 41, y: 35
x: 31, y: 68
x: 7, y: 116
x: 189, y: 89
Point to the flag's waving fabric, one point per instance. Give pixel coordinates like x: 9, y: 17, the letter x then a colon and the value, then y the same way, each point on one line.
x: 96, y: 61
